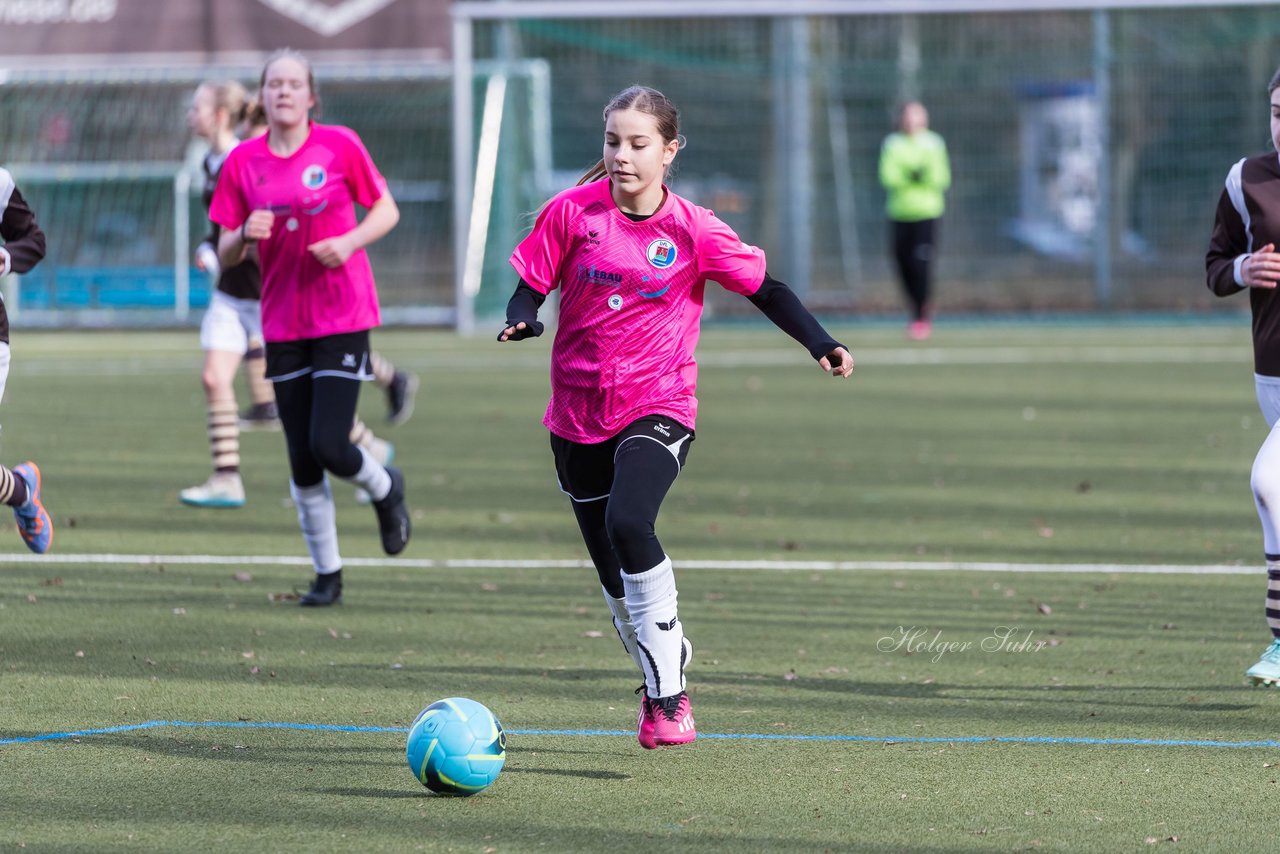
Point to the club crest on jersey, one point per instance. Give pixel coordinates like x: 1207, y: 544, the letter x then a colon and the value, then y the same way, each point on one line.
x: 615, y: 302
x: 661, y: 253
x: 313, y: 177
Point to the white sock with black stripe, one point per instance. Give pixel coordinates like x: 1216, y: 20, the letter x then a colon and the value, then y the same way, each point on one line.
x: 318, y: 519
x: 651, y: 601
x: 373, y: 477
x: 622, y: 624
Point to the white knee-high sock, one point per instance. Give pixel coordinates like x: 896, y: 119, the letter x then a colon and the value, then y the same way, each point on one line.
x: 373, y: 477
x: 318, y: 519
x: 622, y: 623
x: 651, y: 601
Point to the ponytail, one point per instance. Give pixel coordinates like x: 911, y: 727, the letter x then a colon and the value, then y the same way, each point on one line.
x: 595, y: 173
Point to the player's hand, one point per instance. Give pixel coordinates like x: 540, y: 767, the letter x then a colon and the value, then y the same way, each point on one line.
x: 332, y: 251
x: 839, y: 362
x: 257, y: 226
x: 1262, y: 268
x: 520, y: 330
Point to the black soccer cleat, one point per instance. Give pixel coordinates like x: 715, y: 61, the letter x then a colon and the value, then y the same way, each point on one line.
x: 393, y: 515
x: 325, y: 590
x: 400, y: 397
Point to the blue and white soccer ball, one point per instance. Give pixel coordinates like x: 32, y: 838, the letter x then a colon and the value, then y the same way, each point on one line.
x: 456, y: 747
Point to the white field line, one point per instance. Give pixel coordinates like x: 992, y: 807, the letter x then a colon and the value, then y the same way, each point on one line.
x: 185, y: 362
x: 770, y: 565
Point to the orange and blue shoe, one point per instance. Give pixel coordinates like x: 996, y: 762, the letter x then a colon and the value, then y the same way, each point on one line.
x: 34, y: 523
x: 665, y: 721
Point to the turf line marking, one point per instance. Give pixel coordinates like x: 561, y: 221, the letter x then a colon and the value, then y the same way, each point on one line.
x: 774, y: 565
x: 885, y: 740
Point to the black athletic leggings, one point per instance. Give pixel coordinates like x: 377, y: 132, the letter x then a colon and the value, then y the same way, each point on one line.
x: 316, y: 413
x: 635, y: 471
x: 914, y: 248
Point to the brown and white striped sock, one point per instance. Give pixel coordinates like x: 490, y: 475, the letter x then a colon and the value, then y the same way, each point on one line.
x: 255, y: 369
x: 224, y: 435
x: 383, y: 371
x: 361, y: 436
x: 1273, y: 594
x: 13, y: 489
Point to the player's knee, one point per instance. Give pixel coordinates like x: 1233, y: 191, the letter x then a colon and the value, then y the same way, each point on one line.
x: 214, y: 382
x: 1265, y: 481
x: 331, y: 452
x: 628, y: 529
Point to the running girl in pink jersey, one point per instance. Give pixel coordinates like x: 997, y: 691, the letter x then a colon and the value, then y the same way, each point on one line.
x: 292, y: 192
x: 632, y: 260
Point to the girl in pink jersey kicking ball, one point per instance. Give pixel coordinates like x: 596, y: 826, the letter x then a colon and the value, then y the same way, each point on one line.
x: 631, y: 260
x: 292, y: 192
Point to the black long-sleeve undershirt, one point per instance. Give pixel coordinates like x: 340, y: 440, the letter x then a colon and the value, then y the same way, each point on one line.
x: 783, y: 308
x: 523, y: 308
x: 774, y: 299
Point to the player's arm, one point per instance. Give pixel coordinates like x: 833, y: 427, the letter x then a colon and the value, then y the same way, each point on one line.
x: 522, y: 314
x: 893, y: 170
x: 1226, y: 253
x: 234, y: 243
x: 940, y: 170
x: 24, y: 244
x: 206, y: 254
x: 377, y: 223
x: 781, y: 305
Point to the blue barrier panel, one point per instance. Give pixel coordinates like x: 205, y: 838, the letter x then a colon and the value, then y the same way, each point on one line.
x: 108, y: 287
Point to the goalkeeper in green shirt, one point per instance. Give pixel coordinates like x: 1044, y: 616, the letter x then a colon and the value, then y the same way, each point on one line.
x: 915, y: 173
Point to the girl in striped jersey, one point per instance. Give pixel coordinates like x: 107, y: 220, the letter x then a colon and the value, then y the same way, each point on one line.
x: 23, y: 249
x: 631, y: 260
x: 1242, y: 254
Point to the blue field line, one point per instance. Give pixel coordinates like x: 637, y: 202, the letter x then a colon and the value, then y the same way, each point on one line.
x: 732, y: 736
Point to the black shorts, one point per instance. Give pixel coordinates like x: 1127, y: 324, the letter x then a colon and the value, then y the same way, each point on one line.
x: 344, y: 356
x: 585, y: 472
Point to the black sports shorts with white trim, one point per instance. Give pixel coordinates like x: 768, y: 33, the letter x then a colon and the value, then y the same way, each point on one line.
x: 344, y: 356
x: 586, y: 472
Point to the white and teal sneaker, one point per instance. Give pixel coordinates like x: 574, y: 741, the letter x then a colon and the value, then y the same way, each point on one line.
x: 1267, y: 670
x: 223, y: 489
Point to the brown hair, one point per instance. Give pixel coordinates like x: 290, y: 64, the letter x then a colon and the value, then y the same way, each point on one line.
x: 645, y: 100
x: 230, y: 96
x: 296, y: 56
x: 255, y: 118
x: 1275, y: 83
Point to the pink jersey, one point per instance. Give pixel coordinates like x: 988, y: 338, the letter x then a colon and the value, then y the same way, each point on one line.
x: 313, y: 194
x: 630, y: 305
